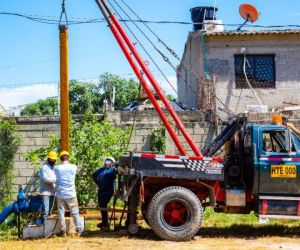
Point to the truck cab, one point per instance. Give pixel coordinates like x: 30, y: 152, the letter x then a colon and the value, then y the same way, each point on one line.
x: 276, y: 162
x: 262, y: 172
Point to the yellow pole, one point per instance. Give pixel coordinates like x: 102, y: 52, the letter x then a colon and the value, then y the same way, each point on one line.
x: 64, y: 88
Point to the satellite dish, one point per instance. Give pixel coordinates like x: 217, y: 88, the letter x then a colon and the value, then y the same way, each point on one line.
x: 249, y: 13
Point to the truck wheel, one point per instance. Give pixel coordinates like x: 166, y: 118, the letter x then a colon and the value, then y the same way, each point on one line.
x: 175, y: 213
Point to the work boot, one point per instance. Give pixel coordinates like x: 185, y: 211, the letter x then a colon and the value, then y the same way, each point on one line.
x: 103, y: 226
x: 80, y: 232
x: 62, y: 233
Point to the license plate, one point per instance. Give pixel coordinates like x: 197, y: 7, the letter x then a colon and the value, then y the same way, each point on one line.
x: 283, y: 171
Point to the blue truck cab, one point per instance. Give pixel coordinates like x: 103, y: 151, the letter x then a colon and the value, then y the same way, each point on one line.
x: 276, y: 165
x: 262, y: 171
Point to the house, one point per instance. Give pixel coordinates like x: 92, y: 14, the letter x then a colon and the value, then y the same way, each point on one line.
x: 240, y: 70
x: 2, y: 110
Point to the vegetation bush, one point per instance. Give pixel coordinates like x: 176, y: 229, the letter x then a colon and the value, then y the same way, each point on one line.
x: 91, y: 142
x: 158, y: 140
x: 9, y: 145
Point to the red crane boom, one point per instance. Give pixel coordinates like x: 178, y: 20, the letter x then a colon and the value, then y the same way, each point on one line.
x: 129, y: 50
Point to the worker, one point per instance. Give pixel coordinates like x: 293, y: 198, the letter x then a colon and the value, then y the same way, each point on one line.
x: 104, y: 178
x: 47, y: 184
x: 66, y: 193
x: 293, y: 128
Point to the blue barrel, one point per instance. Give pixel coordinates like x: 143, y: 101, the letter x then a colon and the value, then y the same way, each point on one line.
x: 199, y: 14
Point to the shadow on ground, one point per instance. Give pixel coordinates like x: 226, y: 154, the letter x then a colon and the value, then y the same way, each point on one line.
x: 236, y: 231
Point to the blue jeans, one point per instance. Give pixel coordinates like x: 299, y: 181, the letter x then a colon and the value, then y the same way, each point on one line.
x: 72, y: 205
x: 48, y: 202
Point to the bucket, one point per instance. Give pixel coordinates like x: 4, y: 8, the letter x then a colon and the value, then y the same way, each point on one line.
x: 199, y: 14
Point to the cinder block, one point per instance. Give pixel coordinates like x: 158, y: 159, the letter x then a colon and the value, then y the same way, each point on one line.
x: 27, y: 172
x: 47, y: 134
x: 27, y: 142
x: 143, y: 132
x: 41, y: 141
x: 20, y: 165
x: 34, y: 134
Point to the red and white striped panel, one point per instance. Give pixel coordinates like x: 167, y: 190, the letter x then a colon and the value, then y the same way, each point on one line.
x: 278, y: 159
x: 195, y: 158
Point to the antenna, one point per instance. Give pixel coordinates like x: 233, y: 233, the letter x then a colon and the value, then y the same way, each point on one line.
x: 249, y: 13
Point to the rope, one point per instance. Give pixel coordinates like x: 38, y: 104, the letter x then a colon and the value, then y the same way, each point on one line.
x: 151, y: 58
x: 248, y: 82
x: 63, y: 13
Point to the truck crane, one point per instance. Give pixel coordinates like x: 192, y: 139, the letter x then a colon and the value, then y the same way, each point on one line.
x: 260, y: 170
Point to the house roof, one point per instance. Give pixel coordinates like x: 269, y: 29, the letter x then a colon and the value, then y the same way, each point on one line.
x: 253, y: 32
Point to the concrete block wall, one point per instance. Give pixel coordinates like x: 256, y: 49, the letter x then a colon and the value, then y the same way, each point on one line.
x: 35, y: 133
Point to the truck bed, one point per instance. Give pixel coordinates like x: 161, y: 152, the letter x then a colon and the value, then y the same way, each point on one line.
x: 183, y: 167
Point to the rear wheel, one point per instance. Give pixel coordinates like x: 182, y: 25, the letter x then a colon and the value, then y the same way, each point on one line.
x: 175, y: 213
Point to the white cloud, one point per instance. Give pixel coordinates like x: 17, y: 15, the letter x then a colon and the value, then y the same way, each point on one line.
x: 12, y: 97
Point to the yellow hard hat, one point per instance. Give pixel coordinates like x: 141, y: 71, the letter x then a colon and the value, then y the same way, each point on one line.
x: 52, y: 155
x: 64, y: 153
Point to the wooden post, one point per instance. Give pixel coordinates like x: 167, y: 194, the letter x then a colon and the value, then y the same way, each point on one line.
x: 64, y: 88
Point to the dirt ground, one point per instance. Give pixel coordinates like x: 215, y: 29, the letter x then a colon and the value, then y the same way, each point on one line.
x: 239, y: 237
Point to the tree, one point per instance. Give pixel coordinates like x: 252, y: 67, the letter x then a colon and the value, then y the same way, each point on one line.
x: 48, y: 106
x: 85, y: 97
x: 126, y: 89
x: 89, y: 97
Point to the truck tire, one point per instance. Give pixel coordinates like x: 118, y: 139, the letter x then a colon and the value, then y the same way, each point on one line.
x: 175, y: 213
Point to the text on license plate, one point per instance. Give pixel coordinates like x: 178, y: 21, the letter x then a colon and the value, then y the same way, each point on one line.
x: 283, y: 171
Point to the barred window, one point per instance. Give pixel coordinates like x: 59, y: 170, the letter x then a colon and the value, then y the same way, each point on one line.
x: 260, y: 71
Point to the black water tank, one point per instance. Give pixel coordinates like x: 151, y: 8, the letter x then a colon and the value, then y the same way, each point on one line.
x: 199, y: 14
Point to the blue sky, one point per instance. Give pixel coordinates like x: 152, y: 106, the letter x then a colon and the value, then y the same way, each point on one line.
x: 30, y: 50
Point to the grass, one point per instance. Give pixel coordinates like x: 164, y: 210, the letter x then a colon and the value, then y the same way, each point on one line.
x: 214, y: 226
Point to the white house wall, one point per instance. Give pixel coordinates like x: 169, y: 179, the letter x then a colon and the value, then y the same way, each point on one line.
x: 220, y: 53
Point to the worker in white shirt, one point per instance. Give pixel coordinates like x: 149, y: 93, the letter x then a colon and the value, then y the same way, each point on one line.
x: 66, y: 193
x: 47, y: 184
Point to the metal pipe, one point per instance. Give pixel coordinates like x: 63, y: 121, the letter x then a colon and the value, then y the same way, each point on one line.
x: 64, y: 89
x: 148, y: 91
x: 155, y: 85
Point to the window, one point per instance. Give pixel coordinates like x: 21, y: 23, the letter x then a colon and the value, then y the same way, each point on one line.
x: 274, y: 141
x: 260, y: 71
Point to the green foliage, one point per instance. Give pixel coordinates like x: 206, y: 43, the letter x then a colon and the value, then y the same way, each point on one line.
x: 48, y: 106
x: 91, y: 142
x: 158, y: 140
x: 9, y: 142
x: 88, y: 97
x: 85, y: 97
x: 7, y: 232
x: 126, y: 90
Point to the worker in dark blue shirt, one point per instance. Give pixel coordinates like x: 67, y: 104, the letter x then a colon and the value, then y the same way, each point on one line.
x: 105, y: 178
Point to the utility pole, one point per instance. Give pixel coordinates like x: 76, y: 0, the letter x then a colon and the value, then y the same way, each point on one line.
x: 64, y: 88
x: 64, y: 82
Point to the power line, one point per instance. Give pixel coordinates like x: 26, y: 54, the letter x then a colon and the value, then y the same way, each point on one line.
x: 83, y: 79
x: 54, y: 20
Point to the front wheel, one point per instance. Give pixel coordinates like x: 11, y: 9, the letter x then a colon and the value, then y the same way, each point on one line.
x: 175, y: 213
